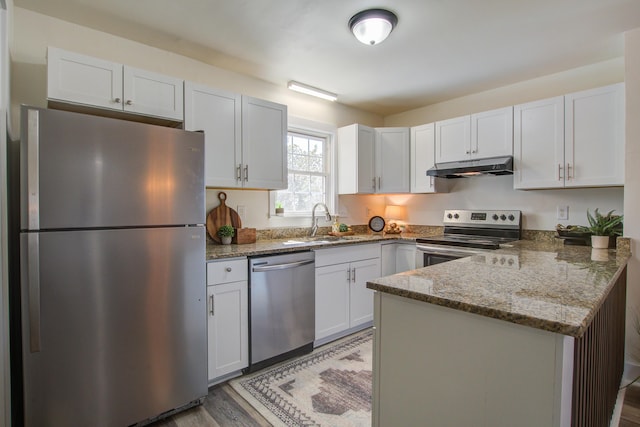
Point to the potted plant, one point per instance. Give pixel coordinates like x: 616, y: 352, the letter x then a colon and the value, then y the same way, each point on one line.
x: 226, y: 233
x: 279, y: 209
x: 603, y: 227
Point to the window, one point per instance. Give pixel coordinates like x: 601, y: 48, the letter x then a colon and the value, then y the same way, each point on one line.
x: 309, y: 173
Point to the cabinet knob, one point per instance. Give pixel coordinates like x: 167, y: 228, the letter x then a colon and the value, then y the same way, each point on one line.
x: 468, y: 152
x: 117, y: 100
x: 129, y: 102
x: 228, y: 269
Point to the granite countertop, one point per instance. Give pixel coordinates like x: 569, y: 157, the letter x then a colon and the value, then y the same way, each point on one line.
x: 296, y: 244
x: 543, y: 285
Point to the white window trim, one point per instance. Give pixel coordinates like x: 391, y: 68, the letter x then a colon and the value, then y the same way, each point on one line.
x: 322, y: 130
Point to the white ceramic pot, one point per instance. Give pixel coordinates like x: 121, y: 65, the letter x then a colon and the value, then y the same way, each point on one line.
x: 226, y: 240
x: 600, y: 242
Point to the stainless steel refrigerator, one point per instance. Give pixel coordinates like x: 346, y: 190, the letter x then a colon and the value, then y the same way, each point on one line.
x: 112, y: 266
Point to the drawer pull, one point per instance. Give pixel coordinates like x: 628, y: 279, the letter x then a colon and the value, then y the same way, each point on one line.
x: 228, y: 269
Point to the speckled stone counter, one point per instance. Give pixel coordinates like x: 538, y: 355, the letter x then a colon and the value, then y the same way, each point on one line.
x: 544, y: 285
x: 279, y: 246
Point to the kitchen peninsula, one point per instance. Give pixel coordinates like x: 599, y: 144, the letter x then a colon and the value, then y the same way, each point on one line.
x: 529, y: 335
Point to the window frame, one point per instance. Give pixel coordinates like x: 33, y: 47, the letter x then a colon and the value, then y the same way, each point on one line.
x: 308, y: 128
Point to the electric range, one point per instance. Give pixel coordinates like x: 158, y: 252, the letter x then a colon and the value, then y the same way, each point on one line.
x: 469, y: 232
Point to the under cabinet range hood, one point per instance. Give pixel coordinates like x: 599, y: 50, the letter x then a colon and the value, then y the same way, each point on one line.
x: 502, y: 165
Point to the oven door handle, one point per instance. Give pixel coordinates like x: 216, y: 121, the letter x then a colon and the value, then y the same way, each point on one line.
x: 447, y: 250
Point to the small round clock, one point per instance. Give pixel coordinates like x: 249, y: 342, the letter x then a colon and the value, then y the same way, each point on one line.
x: 376, y: 224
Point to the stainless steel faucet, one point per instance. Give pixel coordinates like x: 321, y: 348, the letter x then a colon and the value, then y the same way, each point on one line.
x: 314, y: 220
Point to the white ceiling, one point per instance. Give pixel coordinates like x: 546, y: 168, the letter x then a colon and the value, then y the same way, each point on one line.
x: 441, y: 49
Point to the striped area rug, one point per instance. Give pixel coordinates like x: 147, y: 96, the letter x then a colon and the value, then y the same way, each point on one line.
x: 329, y: 387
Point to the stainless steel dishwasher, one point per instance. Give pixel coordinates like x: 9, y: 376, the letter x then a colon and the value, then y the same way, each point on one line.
x: 281, y: 307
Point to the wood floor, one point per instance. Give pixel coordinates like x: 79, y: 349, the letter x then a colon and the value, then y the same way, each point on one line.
x: 224, y: 407
x: 631, y: 409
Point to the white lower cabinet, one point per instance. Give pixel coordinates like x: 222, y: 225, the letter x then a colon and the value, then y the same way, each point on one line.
x: 343, y: 301
x: 397, y: 257
x: 228, y: 317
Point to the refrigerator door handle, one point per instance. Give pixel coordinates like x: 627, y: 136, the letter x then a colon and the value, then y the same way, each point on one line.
x: 33, y: 280
x: 33, y: 179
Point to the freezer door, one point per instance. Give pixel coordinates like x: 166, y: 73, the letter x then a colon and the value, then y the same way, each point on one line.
x: 80, y: 171
x: 114, y: 330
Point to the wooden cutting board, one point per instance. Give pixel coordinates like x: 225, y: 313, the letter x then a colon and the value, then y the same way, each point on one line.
x: 222, y: 215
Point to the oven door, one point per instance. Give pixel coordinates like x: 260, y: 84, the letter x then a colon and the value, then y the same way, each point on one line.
x: 427, y: 255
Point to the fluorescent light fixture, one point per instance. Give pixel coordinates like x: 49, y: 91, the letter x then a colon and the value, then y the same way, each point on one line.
x: 372, y: 26
x: 313, y: 91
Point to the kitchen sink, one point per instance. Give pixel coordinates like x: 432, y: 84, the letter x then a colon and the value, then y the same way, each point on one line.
x: 318, y: 240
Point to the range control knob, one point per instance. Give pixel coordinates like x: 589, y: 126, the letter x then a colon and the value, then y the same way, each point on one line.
x: 503, y: 217
x: 449, y: 216
x: 456, y: 216
x: 511, y: 217
x: 495, y: 217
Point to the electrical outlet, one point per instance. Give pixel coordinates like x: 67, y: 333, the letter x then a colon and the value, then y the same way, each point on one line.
x: 241, y: 212
x: 562, y: 212
x: 367, y: 212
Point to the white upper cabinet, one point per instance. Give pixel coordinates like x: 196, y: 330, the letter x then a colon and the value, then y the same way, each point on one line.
x: 422, y: 159
x: 571, y: 141
x: 245, y: 138
x: 80, y: 79
x: 356, y: 159
x: 594, y: 137
x: 392, y: 160
x: 492, y: 133
x: 453, y: 139
x: 538, y: 146
x: 264, y: 144
x: 481, y: 135
x: 152, y: 94
x: 373, y: 160
x: 218, y: 114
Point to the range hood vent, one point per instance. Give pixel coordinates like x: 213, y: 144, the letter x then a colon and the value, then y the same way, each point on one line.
x: 502, y: 165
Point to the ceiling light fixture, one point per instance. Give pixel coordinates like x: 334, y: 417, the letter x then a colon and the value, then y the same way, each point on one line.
x: 313, y: 91
x: 372, y: 26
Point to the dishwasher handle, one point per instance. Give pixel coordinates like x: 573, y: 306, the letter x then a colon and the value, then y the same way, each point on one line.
x: 283, y: 266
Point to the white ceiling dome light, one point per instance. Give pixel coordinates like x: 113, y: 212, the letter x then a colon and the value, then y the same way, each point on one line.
x: 372, y: 26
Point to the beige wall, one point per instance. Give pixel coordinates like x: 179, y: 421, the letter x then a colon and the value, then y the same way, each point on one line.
x: 587, y: 77
x: 632, y: 187
x: 33, y: 32
x: 538, y: 207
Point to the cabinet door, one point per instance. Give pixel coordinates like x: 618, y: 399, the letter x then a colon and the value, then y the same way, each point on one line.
x: 392, y: 159
x: 218, y: 114
x: 492, y: 133
x: 83, y: 80
x: 365, y: 164
x: 422, y: 158
x: 453, y: 139
x: 388, y: 259
x: 264, y: 144
x: 405, y: 257
x: 153, y: 94
x: 332, y: 300
x: 538, y: 145
x: 227, y: 328
x: 594, y: 137
x: 361, y: 298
